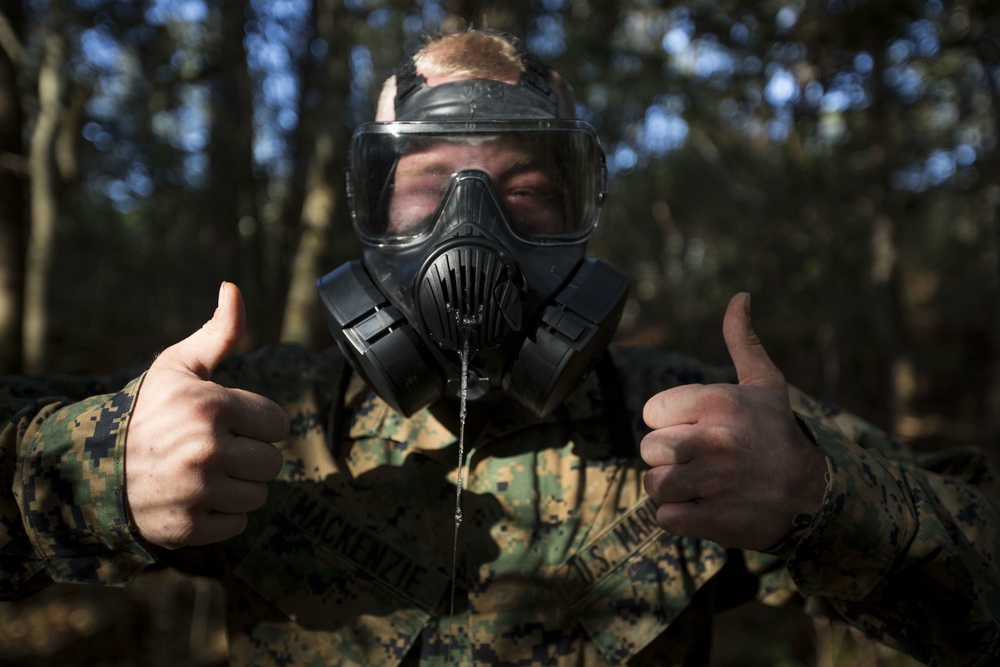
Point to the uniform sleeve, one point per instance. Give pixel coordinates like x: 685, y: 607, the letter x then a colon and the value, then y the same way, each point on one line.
x: 905, y: 546
x: 63, y: 512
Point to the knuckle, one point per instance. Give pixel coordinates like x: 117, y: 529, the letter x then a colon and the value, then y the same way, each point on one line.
x: 204, y: 454
x: 262, y: 461
x: 274, y: 460
x: 719, y: 435
x: 712, y: 486
x: 239, y: 524
x: 207, y: 403
x: 651, y: 410
x: 672, y: 520
x: 200, y: 495
x: 189, y: 490
x: 648, y: 446
x: 661, y: 484
x: 258, y: 497
x: 282, y: 421
x: 721, y: 398
x: 176, y: 531
x: 652, y: 486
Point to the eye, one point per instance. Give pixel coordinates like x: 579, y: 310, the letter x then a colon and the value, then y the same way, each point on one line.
x: 414, y: 197
x: 420, y: 185
x: 532, y: 187
x: 531, y: 196
x: 535, y: 204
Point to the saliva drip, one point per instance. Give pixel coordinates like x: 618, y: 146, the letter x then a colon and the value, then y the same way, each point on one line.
x: 460, y: 480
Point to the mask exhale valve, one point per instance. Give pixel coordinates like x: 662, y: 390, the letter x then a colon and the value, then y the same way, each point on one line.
x: 469, y: 291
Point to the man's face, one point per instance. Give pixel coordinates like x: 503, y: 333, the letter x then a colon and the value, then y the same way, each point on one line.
x: 527, y: 181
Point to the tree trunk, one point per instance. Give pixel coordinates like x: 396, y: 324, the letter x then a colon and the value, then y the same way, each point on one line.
x: 992, y: 393
x: 988, y: 49
x: 323, y: 181
x: 44, y: 203
x: 12, y: 195
x: 232, y: 218
x: 897, y: 373
x: 512, y: 17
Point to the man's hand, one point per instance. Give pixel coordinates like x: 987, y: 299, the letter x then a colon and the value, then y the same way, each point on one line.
x: 197, y: 455
x: 729, y: 462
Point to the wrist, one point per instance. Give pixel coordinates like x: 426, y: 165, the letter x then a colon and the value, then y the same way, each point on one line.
x: 815, y: 476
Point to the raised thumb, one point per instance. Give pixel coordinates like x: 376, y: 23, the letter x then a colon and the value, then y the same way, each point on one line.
x: 753, y: 365
x: 202, y: 351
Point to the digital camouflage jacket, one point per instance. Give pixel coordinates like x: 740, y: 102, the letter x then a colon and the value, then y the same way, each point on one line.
x: 559, y: 558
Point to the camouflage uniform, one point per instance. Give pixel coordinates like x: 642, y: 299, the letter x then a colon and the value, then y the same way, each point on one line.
x: 560, y: 561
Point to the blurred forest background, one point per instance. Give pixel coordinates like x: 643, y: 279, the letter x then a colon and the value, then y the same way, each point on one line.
x: 836, y: 158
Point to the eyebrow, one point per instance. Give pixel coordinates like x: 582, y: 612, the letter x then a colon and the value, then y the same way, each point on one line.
x: 520, y: 161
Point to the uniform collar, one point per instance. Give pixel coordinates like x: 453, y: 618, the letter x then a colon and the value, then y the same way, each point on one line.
x: 423, y: 431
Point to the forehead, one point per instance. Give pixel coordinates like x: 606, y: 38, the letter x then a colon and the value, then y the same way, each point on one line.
x: 493, y: 151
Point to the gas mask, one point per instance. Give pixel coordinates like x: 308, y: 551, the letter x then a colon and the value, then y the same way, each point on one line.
x: 474, y: 210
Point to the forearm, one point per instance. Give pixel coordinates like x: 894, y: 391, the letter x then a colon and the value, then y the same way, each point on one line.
x: 21, y: 572
x: 905, y: 553
x: 63, y: 510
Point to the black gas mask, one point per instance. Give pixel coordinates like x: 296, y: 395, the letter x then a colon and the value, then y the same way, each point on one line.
x: 474, y: 210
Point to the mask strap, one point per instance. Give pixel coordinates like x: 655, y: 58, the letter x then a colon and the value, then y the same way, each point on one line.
x: 406, y: 80
x: 536, y: 71
x: 336, y: 428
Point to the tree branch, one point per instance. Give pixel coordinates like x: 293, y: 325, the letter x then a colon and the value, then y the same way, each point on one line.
x: 14, y: 163
x: 9, y: 41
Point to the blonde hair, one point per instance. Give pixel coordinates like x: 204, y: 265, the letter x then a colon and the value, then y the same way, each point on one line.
x: 472, y: 54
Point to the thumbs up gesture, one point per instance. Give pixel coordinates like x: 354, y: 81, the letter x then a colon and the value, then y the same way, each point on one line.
x: 197, y: 454
x: 729, y: 463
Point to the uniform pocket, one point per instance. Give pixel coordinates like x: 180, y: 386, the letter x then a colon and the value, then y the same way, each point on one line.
x: 362, y: 600
x: 628, y: 584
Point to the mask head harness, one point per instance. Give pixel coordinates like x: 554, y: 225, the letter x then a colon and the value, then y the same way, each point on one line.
x: 474, y: 208
x: 532, y: 97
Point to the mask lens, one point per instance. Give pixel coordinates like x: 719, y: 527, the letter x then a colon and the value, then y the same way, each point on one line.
x: 549, y: 175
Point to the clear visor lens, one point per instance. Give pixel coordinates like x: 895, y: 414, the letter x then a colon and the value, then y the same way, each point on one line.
x: 550, y: 176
